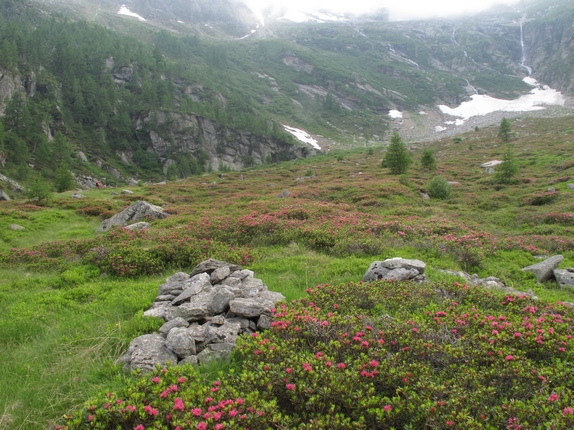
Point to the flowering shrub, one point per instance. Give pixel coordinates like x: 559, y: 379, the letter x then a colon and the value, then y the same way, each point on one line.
x: 381, y: 355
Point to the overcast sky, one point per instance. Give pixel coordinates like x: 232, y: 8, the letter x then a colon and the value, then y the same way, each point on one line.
x: 399, y: 9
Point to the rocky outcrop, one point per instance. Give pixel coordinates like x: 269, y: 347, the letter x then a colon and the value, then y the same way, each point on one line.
x: 222, y: 146
x: 395, y: 269
x: 4, y: 196
x: 205, y: 312
x: 544, y: 270
x: 140, y: 210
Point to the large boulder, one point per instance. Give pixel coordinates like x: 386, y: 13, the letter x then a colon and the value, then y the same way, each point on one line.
x: 398, y: 269
x: 544, y: 270
x: 140, y: 210
x: 4, y: 196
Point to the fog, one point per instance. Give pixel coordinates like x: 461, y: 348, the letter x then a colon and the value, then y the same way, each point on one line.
x: 398, y: 10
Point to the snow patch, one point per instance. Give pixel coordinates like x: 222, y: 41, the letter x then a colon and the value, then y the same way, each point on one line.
x: 395, y: 114
x: 302, y: 136
x: 422, y: 112
x: 439, y: 128
x: 481, y: 105
x: 125, y: 11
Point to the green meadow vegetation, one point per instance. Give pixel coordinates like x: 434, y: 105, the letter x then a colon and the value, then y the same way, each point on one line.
x: 341, y: 354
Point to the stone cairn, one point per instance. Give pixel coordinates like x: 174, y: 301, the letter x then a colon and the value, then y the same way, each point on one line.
x: 205, y: 312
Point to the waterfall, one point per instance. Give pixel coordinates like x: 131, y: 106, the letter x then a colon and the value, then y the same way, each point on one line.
x: 523, y: 61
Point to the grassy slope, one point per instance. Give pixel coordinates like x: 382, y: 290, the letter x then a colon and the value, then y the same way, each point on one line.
x: 63, y: 330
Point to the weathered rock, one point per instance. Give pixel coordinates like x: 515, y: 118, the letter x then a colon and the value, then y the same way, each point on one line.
x: 16, y: 227
x: 220, y: 301
x: 264, y: 322
x: 564, y: 277
x: 136, y: 212
x: 570, y: 186
x: 544, y: 270
x: 193, y: 286
x: 157, y: 310
x: 142, y: 225
x: 283, y: 194
x: 250, y: 308
x: 401, y: 274
x: 129, y: 192
x: 209, y: 266
x: 490, y: 164
x: 192, y: 359
x: 173, y: 283
x: 78, y: 196
x: 180, y: 342
x: 379, y: 270
x: 147, y: 351
x: 220, y: 274
x: 174, y: 323
x: 194, y: 310
x: 4, y: 196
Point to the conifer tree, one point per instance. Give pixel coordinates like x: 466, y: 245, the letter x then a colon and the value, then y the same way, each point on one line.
x: 428, y: 161
x: 397, y: 158
x: 504, y: 132
x: 507, y: 170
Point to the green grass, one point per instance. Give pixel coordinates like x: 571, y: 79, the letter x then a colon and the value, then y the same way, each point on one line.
x: 64, y: 326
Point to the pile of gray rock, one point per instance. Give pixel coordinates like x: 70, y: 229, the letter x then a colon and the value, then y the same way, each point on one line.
x: 548, y: 269
x: 205, y: 312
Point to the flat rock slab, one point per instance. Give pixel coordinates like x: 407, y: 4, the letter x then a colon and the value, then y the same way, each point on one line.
x: 544, y: 270
x: 379, y: 270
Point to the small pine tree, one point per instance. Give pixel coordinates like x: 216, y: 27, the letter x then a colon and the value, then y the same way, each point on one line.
x: 63, y: 179
x: 439, y: 188
x: 507, y: 170
x: 504, y: 132
x: 40, y: 190
x: 428, y: 161
x: 397, y: 157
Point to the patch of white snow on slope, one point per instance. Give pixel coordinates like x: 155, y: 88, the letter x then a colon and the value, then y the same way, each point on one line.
x: 125, y: 11
x: 302, y: 136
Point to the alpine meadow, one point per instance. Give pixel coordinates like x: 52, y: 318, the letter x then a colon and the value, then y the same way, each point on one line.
x: 213, y: 217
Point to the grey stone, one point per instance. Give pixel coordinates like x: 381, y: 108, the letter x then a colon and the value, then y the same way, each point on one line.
x: 208, y: 266
x: 147, y: 351
x: 283, y: 194
x: 192, y: 287
x: 570, y: 186
x: 16, y: 227
x: 180, y: 341
x: 217, y: 320
x: 231, y: 282
x: 174, y: 323
x: 172, y: 283
x: 192, y: 359
x: 242, y: 274
x: 136, y: 212
x: 551, y: 190
x: 165, y: 298
x: 194, y: 310
x: 4, y: 196
x: 127, y: 192
x: 227, y: 333
x: 142, y: 225
x: 375, y: 272
x: 220, y: 301
x: 403, y: 263
x: 250, y: 308
x: 564, y: 277
x: 490, y: 164
x: 401, y: 274
x: 158, y: 310
x: 264, y: 322
x: 220, y: 274
x: 243, y: 322
x: 78, y: 196
x: 544, y: 270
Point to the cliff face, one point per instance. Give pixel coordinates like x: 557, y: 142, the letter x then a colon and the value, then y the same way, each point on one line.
x: 168, y: 134
x: 550, y: 50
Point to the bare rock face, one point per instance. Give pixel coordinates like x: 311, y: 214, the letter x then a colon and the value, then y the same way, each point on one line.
x: 205, y: 312
x: 139, y: 211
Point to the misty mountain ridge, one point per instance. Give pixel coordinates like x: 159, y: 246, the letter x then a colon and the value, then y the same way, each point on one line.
x: 217, y: 85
